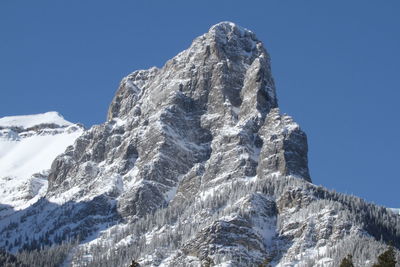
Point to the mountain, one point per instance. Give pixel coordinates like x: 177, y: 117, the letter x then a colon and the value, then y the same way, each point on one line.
x: 196, y: 166
x: 28, y: 146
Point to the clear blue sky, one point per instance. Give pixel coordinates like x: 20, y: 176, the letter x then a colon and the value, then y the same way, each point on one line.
x: 335, y: 63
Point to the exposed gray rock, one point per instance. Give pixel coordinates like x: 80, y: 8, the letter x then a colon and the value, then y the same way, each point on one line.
x: 205, y: 106
x: 284, y: 148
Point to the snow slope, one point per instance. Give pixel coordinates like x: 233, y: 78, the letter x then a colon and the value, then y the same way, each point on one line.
x: 26, y: 154
x: 397, y: 211
x: 28, y: 121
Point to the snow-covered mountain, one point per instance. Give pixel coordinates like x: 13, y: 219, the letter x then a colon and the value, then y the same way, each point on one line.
x: 196, y: 166
x: 28, y: 146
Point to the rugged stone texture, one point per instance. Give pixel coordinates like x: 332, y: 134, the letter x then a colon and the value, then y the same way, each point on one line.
x: 241, y: 233
x: 284, y: 147
x: 206, y: 107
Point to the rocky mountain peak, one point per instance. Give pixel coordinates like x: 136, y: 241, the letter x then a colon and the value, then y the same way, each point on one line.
x: 235, y: 40
x: 229, y: 28
x: 201, y: 119
x: 227, y: 66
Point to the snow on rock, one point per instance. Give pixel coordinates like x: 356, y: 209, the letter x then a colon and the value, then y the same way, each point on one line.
x: 397, y: 211
x: 28, y: 121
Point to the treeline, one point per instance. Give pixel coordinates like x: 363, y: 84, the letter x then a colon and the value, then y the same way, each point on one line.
x: 45, y: 257
x: 158, y: 235
x: 385, y: 259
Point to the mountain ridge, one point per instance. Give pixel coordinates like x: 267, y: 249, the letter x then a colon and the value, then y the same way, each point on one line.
x: 28, y: 145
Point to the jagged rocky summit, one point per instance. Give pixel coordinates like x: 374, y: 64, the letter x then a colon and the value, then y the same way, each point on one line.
x: 196, y: 166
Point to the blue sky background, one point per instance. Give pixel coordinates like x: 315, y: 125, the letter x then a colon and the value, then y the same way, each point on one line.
x: 335, y: 63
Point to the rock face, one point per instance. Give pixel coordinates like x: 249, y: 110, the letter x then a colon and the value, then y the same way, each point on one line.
x: 204, y: 118
x: 195, y: 166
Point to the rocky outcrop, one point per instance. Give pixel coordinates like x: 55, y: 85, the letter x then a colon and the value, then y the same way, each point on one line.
x: 284, y: 147
x: 205, y: 110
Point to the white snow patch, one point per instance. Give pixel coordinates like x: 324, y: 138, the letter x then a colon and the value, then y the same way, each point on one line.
x: 33, y: 154
x: 397, y: 211
x: 27, y: 121
x: 25, y: 158
x: 169, y: 195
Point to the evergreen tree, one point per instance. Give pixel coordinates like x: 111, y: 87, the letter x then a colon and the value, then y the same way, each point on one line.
x: 208, y: 262
x: 387, y: 258
x: 347, y: 261
x: 134, y: 264
x: 265, y: 263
